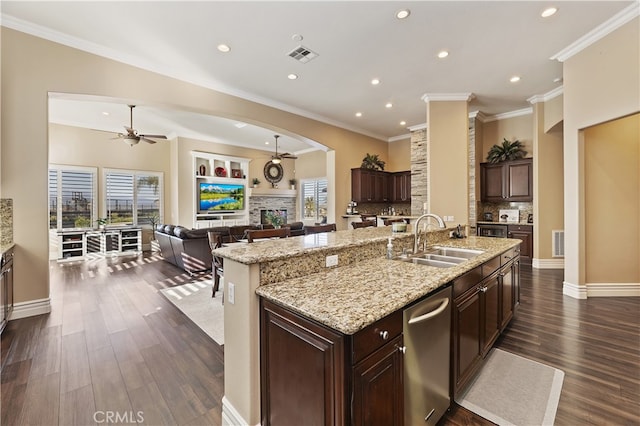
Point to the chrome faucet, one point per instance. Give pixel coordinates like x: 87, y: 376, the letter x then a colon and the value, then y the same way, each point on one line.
x: 415, y: 230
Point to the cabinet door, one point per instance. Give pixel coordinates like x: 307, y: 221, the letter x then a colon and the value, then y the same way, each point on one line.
x: 302, y: 369
x: 378, y: 396
x: 466, y: 338
x: 506, y: 295
x: 401, y: 187
x: 362, y: 185
x: 519, y: 177
x: 491, y: 182
x: 490, y: 302
x: 526, y: 248
x: 380, y: 187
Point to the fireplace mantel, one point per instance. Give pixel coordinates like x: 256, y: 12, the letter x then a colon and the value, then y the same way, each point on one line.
x: 272, y: 192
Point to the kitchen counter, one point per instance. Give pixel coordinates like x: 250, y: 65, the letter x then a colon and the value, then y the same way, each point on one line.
x: 349, y: 298
x: 5, y: 248
x: 522, y: 222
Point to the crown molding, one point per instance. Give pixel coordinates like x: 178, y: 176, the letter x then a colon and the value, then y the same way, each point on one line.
x: 429, y: 97
x: 417, y: 127
x: 599, y: 32
x: 478, y: 115
x: 547, y: 96
x: 510, y: 114
x: 400, y: 137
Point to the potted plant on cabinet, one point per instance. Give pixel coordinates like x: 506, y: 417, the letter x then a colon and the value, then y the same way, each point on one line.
x: 293, y: 182
x: 507, y: 151
x: 102, y: 221
x: 255, y: 182
x: 372, y: 162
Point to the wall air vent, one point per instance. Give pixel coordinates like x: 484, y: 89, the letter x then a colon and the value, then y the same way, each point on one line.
x: 302, y: 54
x: 557, y: 245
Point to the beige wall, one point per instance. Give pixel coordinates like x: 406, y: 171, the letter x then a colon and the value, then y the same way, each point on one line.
x: 553, y: 114
x: 448, y: 144
x: 311, y: 165
x: 520, y: 128
x: 612, y: 201
x: 600, y: 84
x: 33, y: 67
x: 548, y: 184
x: 399, y: 156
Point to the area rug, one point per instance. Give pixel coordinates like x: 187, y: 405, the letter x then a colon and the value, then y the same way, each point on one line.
x: 511, y: 390
x: 195, y: 301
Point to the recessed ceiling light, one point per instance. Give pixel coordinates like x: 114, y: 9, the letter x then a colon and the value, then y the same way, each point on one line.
x: 224, y: 48
x: 105, y: 113
x: 292, y: 76
x: 375, y: 81
x: 240, y: 124
x: 557, y: 80
x: 358, y: 114
x: 549, y: 12
x: 514, y: 79
x: 403, y: 123
x: 266, y: 142
x: 388, y: 105
x: 443, y: 54
x: 403, y: 13
x: 297, y: 37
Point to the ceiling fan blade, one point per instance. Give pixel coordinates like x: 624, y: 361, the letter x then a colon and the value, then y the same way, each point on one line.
x: 153, y: 136
x: 147, y: 140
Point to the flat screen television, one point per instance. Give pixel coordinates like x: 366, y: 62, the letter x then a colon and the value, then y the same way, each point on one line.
x: 220, y: 197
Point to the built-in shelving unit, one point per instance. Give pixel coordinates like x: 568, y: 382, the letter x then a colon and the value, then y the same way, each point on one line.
x: 219, y: 169
x: 79, y: 243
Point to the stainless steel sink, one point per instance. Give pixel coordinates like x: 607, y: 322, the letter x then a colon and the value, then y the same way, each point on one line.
x: 441, y: 257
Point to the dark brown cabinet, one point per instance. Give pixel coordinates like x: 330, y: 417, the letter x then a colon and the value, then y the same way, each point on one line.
x: 401, y: 186
x: 484, y: 300
x: 6, y: 288
x: 524, y: 233
x: 330, y: 378
x: 376, y: 186
x: 508, y: 181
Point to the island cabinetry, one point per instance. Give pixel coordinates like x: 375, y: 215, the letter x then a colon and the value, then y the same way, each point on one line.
x: 310, y: 371
x: 369, y: 186
x: 484, y: 301
x: 507, y: 181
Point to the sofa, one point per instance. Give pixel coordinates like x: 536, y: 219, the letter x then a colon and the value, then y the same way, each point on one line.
x: 189, y: 249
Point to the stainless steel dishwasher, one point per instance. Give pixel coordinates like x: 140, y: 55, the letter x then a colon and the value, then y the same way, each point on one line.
x: 427, y: 336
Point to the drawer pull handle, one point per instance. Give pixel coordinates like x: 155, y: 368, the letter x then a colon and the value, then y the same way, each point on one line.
x: 384, y: 334
x: 483, y: 289
x: 402, y: 349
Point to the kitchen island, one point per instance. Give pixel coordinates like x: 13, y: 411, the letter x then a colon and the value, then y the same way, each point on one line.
x: 363, y: 288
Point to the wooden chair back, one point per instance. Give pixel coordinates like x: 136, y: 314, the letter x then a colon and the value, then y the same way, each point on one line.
x: 316, y: 229
x: 388, y: 222
x: 254, y: 234
x: 217, y: 267
x: 363, y: 224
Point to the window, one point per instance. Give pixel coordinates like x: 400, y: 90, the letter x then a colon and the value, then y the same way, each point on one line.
x: 72, y: 197
x: 133, y: 197
x: 314, y: 199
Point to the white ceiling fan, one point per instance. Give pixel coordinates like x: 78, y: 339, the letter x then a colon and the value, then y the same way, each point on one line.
x: 277, y: 158
x: 132, y: 137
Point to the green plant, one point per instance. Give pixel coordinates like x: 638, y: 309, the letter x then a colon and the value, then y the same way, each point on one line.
x: 507, y: 151
x: 293, y: 181
x: 82, y: 222
x: 372, y: 162
x: 256, y: 181
x: 275, y: 217
x: 154, y: 218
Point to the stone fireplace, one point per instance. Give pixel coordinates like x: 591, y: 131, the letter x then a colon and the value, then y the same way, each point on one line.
x: 264, y: 201
x: 263, y: 214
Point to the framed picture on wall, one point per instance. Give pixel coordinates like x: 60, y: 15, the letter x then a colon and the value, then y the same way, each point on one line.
x: 236, y: 173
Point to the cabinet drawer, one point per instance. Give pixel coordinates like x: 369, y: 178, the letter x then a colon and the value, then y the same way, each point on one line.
x: 371, y: 338
x: 508, y: 256
x: 490, y: 266
x: 521, y: 228
x: 466, y: 281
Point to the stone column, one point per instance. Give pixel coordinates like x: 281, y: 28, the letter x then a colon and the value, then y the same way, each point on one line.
x: 419, y: 172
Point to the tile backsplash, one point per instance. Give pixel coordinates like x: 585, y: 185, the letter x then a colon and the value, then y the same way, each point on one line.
x: 6, y: 221
x: 525, y: 209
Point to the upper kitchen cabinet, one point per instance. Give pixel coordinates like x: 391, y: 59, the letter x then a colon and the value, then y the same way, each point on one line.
x: 401, y: 187
x: 508, y: 181
x: 369, y: 186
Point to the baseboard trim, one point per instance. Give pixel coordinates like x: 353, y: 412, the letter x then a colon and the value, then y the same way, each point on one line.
x: 548, y: 263
x: 574, y: 290
x: 30, y: 308
x: 613, y: 289
x: 230, y: 416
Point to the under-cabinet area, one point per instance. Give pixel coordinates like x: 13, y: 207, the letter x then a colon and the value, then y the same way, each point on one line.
x: 342, y: 374
x: 80, y: 243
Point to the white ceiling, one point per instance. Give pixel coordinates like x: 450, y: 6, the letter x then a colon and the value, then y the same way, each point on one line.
x: 489, y: 42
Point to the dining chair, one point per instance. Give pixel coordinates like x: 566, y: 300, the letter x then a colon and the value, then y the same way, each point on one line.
x: 316, y: 229
x: 217, y: 269
x: 367, y: 217
x: 363, y: 224
x: 255, y: 234
x: 388, y: 222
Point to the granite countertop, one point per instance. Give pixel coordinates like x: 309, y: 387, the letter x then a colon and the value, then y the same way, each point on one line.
x: 351, y: 297
x: 5, y: 248
x: 265, y: 251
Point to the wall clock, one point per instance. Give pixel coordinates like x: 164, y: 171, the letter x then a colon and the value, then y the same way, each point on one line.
x: 273, y: 172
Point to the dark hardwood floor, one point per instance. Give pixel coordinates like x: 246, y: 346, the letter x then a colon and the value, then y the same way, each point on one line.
x: 114, y: 344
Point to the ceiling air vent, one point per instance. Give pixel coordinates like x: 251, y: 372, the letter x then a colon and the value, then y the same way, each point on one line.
x: 302, y: 54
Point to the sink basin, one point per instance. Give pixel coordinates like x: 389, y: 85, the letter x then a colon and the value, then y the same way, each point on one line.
x: 441, y: 257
